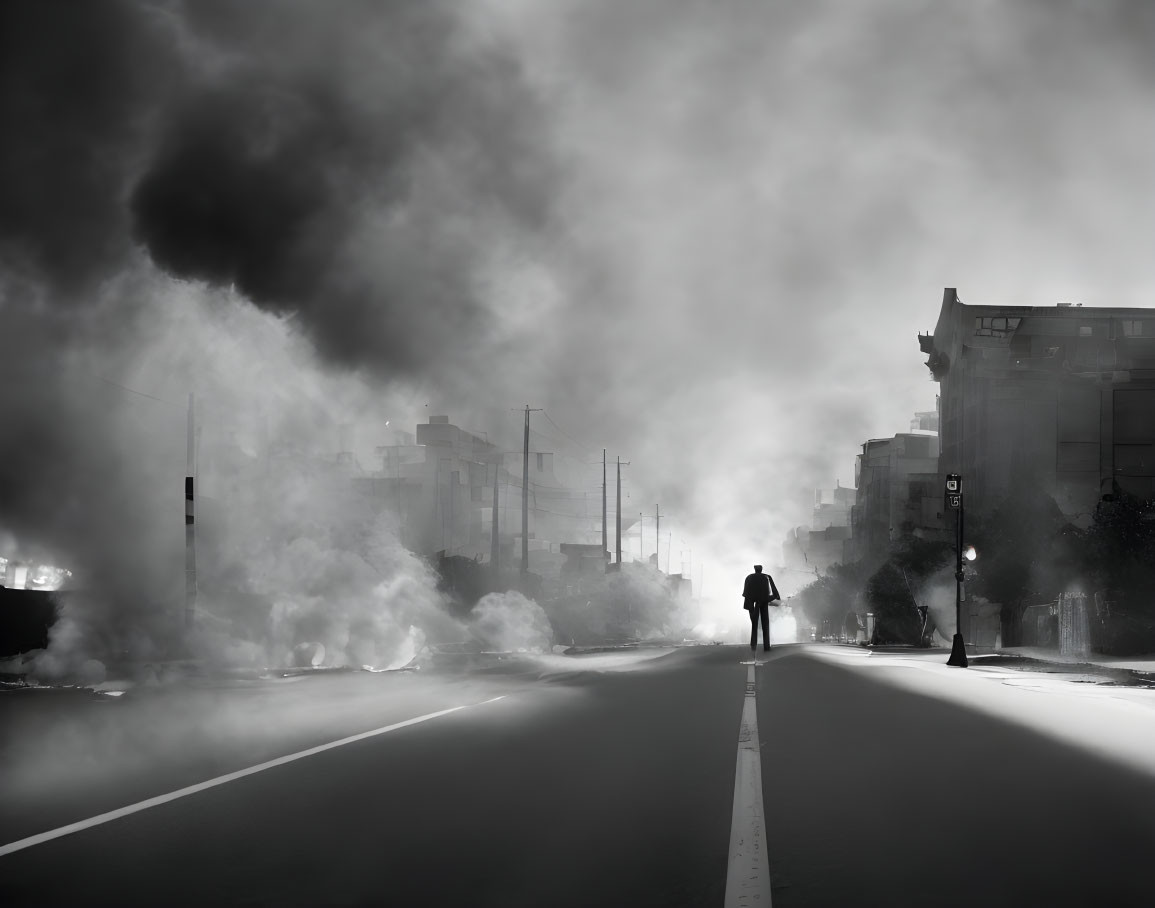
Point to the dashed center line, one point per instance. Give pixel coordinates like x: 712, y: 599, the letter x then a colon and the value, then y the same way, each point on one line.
x: 748, y: 871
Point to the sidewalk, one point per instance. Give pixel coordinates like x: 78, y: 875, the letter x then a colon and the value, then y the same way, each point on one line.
x: 1144, y: 664
x: 1126, y: 671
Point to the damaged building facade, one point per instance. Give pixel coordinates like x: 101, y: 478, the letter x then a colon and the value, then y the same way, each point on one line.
x: 1060, y: 396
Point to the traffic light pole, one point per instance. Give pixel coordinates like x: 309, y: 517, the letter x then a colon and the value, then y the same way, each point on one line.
x: 953, y: 501
x: 958, y: 652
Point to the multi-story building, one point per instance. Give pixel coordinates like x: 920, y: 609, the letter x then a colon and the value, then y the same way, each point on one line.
x: 439, y: 485
x: 832, y: 507
x: 813, y: 549
x: 1060, y: 396
x: 897, y: 492
x: 926, y: 420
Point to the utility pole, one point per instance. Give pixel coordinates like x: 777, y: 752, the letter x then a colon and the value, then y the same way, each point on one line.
x: 494, y: 547
x: 190, y: 542
x: 619, y: 513
x: 525, y: 494
x: 605, y: 540
x: 657, y: 537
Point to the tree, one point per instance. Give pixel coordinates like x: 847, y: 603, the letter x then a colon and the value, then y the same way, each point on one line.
x: 827, y: 599
x: 890, y: 590
x: 1120, y: 547
x: 1028, y: 553
x: 896, y: 618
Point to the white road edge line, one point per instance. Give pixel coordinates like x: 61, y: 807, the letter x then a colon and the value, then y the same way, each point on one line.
x: 748, y: 871
x: 42, y: 837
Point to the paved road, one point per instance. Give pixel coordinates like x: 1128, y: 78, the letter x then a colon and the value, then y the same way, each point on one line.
x: 616, y: 788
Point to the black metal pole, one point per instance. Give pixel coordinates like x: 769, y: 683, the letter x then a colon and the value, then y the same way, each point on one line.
x: 958, y: 652
x: 190, y: 556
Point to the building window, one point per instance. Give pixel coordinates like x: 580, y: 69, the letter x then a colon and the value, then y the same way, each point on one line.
x: 1084, y: 331
x: 995, y: 326
x: 1132, y: 328
x: 540, y: 462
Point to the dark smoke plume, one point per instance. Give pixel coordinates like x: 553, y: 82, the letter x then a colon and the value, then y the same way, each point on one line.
x: 323, y: 173
x: 349, y: 164
x: 78, y: 82
x: 346, y: 167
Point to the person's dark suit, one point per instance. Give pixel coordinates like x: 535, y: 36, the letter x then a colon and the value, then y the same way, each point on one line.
x: 757, y: 594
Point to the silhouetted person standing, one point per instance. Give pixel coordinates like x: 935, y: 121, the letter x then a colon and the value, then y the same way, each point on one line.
x: 757, y: 595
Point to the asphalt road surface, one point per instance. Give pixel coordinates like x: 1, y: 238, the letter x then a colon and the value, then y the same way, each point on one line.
x: 596, y: 788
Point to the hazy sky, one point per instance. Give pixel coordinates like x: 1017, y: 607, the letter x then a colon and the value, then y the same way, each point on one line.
x: 701, y: 235
x: 773, y: 195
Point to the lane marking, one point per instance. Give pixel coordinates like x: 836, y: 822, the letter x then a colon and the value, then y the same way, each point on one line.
x: 111, y: 815
x: 748, y: 870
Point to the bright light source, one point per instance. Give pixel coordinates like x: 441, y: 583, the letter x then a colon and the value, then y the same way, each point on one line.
x: 969, y: 553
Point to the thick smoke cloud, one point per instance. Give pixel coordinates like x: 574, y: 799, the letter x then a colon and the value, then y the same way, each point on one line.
x: 701, y: 236
x: 351, y: 170
x: 78, y: 85
x: 350, y: 166
x: 340, y: 165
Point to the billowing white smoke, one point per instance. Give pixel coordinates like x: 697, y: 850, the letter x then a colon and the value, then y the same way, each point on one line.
x: 349, y: 609
x: 783, y: 625
x: 648, y: 603
x: 509, y: 622
x: 938, y: 594
x: 287, y: 552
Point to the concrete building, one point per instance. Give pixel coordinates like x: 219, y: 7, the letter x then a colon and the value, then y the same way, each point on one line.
x: 439, y: 486
x: 1063, y: 396
x: 897, y: 492
x: 926, y: 420
x: 813, y: 549
x: 832, y: 507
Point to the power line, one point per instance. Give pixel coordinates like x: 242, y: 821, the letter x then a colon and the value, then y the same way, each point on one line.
x: 583, y: 448
x: 109, y: 381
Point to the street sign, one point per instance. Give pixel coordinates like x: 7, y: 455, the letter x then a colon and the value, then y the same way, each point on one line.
x: 953, y: 493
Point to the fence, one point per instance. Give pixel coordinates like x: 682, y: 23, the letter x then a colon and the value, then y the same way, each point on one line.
x: 1074, y: 625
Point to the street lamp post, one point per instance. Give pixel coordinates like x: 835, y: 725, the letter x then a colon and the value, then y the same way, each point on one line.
x: 954, y: 502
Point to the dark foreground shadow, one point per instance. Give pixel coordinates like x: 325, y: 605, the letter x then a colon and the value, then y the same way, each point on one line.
x: 879, y: 796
